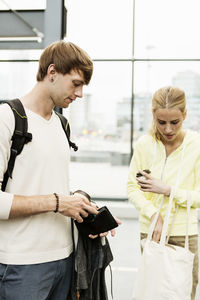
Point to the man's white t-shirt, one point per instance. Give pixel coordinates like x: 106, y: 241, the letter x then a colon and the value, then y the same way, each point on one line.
x: 42, y: 168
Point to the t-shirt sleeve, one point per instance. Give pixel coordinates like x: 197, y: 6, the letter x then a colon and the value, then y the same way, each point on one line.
x: 7, y: 125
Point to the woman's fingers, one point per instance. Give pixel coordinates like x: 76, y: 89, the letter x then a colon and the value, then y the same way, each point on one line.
x: 146, y: 175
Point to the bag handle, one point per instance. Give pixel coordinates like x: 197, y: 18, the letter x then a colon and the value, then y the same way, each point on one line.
x: 153, y: 223
x: 189, y: 196
x: 166, y: 221
x: 187, y: 224
x: 167, y: 216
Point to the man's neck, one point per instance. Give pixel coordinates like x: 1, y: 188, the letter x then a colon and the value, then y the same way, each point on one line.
x: 39, y: 101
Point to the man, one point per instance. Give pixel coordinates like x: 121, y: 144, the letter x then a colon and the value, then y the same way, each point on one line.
x: 35, y: 233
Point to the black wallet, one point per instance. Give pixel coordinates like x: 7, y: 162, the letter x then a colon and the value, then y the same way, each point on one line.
x: 95, y: 224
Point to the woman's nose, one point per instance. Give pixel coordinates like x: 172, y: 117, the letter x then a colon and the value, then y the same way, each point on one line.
x: 168, y: 128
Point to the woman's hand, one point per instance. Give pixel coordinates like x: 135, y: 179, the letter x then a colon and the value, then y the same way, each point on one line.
x: 158, y: 228
x: 149, y: 184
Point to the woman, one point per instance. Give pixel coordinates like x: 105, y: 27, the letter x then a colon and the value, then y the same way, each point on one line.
x: 173, y: 157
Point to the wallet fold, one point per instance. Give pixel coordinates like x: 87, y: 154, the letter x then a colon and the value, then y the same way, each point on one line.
x: 96, y: 224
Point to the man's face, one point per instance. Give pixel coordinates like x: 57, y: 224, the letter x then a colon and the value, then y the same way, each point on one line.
x: 66, y: 88
x: 169, y: 123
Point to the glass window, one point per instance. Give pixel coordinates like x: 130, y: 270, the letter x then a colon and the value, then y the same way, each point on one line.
x: 167, y: 28
x: 101, y: 121
x: 103, y: 28
x: 150, y: 76
x: 20, y: 55
x: 17, y: 78
x: 100, y: 124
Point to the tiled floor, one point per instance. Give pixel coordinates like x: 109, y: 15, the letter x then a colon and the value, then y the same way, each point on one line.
x: 126, y: 251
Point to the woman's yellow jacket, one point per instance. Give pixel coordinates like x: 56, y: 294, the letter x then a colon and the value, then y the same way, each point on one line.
x: 185, y: 161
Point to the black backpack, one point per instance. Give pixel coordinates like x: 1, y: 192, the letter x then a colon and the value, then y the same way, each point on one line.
x: 21, y: 136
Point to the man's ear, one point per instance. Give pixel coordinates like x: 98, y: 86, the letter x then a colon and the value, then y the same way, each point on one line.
x: 51, y: 69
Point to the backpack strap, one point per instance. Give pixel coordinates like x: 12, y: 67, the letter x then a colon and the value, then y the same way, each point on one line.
x: 66, y: 128
x: 20, y: 137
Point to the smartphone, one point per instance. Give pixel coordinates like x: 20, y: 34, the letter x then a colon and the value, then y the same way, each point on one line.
x: 146, y: 171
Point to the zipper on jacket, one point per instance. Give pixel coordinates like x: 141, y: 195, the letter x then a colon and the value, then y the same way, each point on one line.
x: 163, y: 168
x: 161, y: 177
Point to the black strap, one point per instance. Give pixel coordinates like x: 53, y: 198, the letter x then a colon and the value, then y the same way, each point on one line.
x: 20, y: 137
x: 66, y: 128
x: 71, y: 293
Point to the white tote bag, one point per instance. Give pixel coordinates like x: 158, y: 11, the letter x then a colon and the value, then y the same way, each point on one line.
x: 165, y: 272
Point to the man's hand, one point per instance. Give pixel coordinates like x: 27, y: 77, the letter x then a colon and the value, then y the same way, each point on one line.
x: 76, y: 207
x: 158, y: 228
x: 103, y: 234
x: 150, y: 184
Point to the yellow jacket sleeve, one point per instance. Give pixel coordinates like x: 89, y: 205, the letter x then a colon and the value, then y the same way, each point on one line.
x: 181, y: 194
x: 135, y: 195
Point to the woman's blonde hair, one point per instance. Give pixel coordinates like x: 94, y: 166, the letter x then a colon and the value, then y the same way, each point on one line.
x: 170, y: 98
